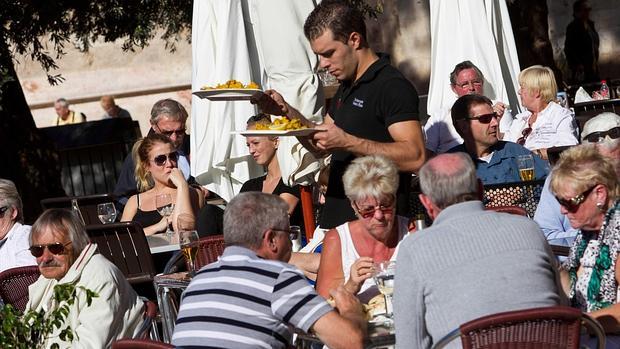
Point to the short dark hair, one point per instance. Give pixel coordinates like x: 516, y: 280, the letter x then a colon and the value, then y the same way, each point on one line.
x: 336, y: 16
x: 462, y: 106
x: 462, y: 66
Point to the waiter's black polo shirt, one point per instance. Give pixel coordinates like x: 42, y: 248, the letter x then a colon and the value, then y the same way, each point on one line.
x: 382, y: 96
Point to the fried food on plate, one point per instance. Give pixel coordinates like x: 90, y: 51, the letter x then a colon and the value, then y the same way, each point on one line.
x: 281, y: 124
x: 232, y: 84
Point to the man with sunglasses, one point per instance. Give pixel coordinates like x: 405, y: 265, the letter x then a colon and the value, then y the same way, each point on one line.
x: 14, y: 234
x: 168, y: 117
x: 65, y: 255
x: 252, y: 298
x: 478, y: 125
x: 602, y: 130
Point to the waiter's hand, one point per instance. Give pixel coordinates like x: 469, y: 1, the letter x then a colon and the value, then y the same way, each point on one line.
x: 271, y: 102
x: 330, y: 137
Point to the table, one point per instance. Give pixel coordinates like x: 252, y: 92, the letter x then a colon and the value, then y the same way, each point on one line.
x: 379, y: 336
x: 159, y: 243
x: 166, y: 300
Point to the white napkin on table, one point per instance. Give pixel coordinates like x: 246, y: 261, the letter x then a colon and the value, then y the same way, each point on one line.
x: 582, y: 96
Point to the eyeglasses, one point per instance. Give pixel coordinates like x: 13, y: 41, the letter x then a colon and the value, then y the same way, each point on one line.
x: 475, y: 83
x: 526, y: 132
x: 596, y: 137
x: 160, y: 160
x: 573, y: 203
x: 369, y: 211
x: 292, y: 234
x: 55, y: 248
x: 3, y: 210
x: 485, y: 118
x: 178, y: 133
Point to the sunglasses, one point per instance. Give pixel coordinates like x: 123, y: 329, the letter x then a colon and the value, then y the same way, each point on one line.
x: 3, y: 210
x: 485, y: 118
x: 475, y: 83
x: 573, y: 203
x: 160, y: 160
x: 178, y: 133
x: 55, y: 248
x: 526, y: 132
x: 369, y: 211
x: 292, y: 235
x: 596, y: 137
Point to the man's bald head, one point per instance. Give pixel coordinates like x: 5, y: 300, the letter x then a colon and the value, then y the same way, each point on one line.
x: 448, y: 179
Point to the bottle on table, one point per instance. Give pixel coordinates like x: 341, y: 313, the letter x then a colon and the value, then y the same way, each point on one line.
x: 604, y: 91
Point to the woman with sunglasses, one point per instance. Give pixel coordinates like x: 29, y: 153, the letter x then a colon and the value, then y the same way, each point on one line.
x: 350, y: 250
x: 544, y: 123
x: 585, y: 183
x: 157, y: 173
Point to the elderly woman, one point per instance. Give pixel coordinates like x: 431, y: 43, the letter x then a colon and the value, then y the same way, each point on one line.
x: 13, y: 234
x: 157, y: 173
x: 585, y: 184
x: 349, y: 250
x: 544, y: 124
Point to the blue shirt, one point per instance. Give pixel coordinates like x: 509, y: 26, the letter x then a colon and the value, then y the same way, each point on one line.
x: 503, y: 166
x: 552, y: 222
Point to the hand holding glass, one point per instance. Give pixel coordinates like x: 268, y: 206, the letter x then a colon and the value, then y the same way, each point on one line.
x: 526, y: 167
x: 106, y: 212
x: 384, y: 278
x: 165, y: 207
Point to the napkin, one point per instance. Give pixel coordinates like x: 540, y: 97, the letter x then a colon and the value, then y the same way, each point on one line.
x: 582, y: 96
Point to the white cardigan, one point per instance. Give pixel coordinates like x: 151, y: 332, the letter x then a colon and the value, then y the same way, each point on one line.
x: 14, y: 252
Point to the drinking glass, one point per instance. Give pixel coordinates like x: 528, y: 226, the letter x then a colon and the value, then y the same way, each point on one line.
x: 106, y: 212
x: 383, y: 274
x: 188, y: 240
x: 165, y: 207
x: 326, y: 77
x: 526, y: 167
x: 295, y: 229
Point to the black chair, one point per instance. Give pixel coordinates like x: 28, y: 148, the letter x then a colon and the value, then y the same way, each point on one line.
x: 87, y: 204
x: 524, y: 194
x: 14, y: 284
x: 148, y: 327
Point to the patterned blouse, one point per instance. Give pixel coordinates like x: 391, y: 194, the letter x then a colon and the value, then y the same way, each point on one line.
x: 596, y: 286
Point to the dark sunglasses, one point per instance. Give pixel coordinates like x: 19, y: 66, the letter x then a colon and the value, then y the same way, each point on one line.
x: 596, y: 137
x: 369, y: 212
x: 55, y: 248
x: 485, y: 118
x: 3, y: 210
x: 292, y: 235
x: 526, y: 132
x: 179, y: 132
x: 160, y: 160
x: 573, y: 203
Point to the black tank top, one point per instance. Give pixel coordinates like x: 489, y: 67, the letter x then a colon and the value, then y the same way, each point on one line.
x: 146, y: 218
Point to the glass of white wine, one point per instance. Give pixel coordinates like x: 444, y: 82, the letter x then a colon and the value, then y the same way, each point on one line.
x: 106, y: 212
x: 165, y: 207
x: 526, y: 167
x: 188, y: 240
x: 384, y: 278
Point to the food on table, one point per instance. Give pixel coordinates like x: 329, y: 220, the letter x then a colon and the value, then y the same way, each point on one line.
x: 281, y: 124
x: 375, y: 306
x: 232, y: 84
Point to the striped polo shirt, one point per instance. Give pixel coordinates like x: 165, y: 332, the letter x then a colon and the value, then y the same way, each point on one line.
x: 244, y: 301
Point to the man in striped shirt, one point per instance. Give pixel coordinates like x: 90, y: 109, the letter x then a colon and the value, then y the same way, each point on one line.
x: 251, y: 298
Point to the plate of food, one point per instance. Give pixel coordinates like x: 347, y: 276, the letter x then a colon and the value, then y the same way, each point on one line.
x: 282, y: 126
x: 231, y: 90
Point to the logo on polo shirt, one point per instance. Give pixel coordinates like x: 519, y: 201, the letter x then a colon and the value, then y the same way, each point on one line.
x: 358, y: 103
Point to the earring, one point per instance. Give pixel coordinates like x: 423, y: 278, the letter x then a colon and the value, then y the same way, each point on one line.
x: 599, y: 205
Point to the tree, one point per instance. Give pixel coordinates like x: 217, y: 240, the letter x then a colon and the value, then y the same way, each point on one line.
x: 41, y: 29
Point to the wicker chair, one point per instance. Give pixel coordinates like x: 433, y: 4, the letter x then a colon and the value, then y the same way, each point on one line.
x: 14, y: 285
x: 209, y: 249
x: 140, y: 344
x: 549, y: 328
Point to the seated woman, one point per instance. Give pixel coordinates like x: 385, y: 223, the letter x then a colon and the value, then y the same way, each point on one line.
x: 349, y: 250
x: 157, y: 173
x: 585, y: 184
x: 544, y: 124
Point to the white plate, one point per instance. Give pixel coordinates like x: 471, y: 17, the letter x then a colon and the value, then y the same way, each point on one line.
x: 276, y: 133
x: 229, y: 94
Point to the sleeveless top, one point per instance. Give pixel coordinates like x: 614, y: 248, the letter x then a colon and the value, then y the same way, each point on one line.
x: 145, y: 218
x: 350, y: 255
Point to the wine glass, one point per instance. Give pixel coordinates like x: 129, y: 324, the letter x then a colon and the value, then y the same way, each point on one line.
x: 188, y: 240
x: 383, y: 273
x: 106, y: 212
x: 165, y: 206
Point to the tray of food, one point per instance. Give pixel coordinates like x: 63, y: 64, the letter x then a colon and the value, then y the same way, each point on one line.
x: 282, y: 126
x: 231, y: 90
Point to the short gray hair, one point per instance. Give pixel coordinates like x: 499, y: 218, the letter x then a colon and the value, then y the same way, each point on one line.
x: 448, y: 179
x: 462, y: 66
x: 372, y: 176
x: 63, y: 102
x: 168, y: 108
x: 10, y: 197
x: 62, y: 221
x: 248, y: 215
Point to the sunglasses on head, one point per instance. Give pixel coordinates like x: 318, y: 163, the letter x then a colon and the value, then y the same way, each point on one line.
x: 485, y: 118
x: 526, y: 132
x: 596, y: 137
x: 573, y: 203
x: 369, y: 211
x: 55, y: 248
x: 160, y: 160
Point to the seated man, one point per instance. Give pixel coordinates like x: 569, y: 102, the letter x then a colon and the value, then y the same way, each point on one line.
x: 496, y: 161
x: 66, y: 256
x: 66, y: 116
x: 470, y: 262
x: 604, y: 130
x: 111, y: 109
x: 13, y: 234
x: 251, y: 297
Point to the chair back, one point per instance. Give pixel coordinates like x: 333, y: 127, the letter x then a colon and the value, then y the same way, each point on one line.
x: 88, y: 205
x: 523, y: 194
x: 518, y: 210
x: 125, y: 245
x: 14, y: 284
x: 140, y: 344
x: 209, y: 249
x: 148, y: 327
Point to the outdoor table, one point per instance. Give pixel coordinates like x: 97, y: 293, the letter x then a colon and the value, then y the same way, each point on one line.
x: 380, y: 335
x: 160, y: 243
x: 168, y: 306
